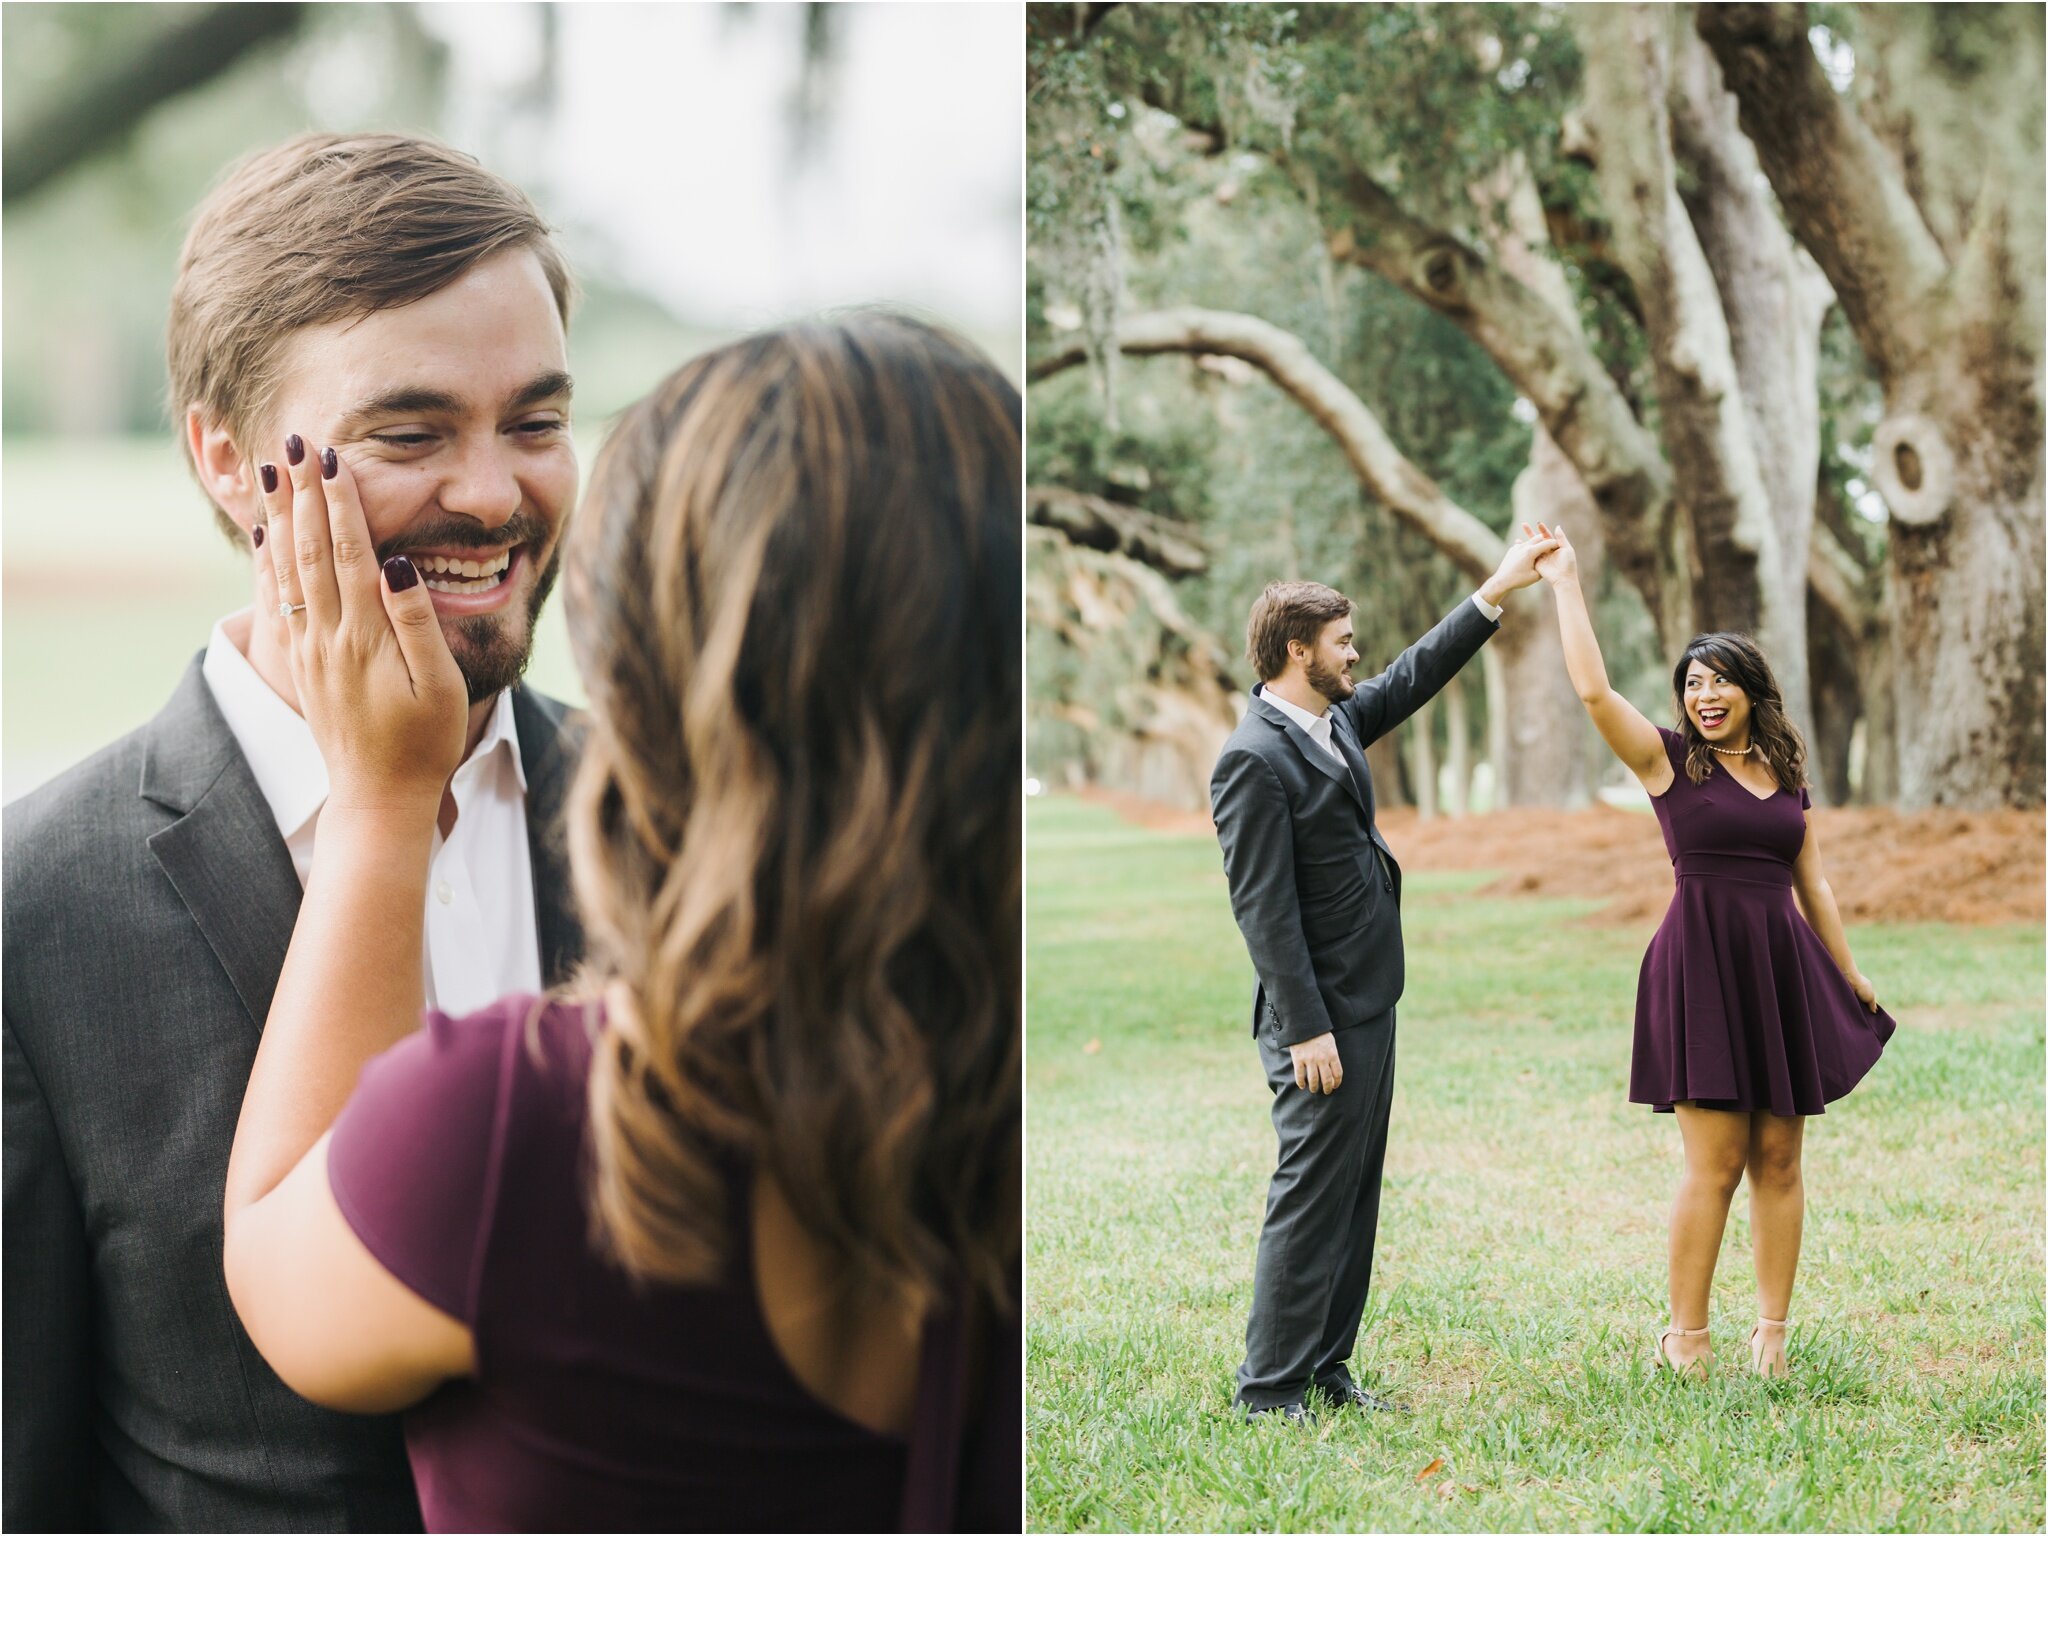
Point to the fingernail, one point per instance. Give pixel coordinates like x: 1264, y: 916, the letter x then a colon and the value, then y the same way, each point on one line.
x: 257, y: 536
x: 295, y: 448
x: 269, y: 475
x: 400, y: 574
x: 328, y: 464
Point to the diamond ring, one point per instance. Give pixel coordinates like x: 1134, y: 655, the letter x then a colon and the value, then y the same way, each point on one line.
x: 286, y: 609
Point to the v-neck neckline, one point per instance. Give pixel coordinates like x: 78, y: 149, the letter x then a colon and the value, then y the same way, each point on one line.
x: 1746, y: 790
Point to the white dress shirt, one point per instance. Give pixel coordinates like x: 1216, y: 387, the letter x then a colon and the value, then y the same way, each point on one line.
x: 482, y: 940
x: 1318, y: 726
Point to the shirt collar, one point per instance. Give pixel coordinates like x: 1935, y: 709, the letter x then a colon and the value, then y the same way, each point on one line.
x: 1318, y: 727
x: 280, y: 747
x: 501, y: 729
x: 275, y: 739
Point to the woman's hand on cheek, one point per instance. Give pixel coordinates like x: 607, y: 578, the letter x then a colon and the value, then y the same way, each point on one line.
x: 375, y: 679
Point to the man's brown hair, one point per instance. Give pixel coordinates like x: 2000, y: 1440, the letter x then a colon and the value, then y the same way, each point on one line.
x: 1288, y: 610
x: 324, y: 228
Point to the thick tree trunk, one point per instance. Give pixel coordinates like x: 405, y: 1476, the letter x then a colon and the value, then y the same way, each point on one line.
x: 1389, y: 776
x: 1545, y: 737
x: 1954, y: 339
x: 1458, y: 761
x: 1420, y: 731
x: 1723, y: 429
x: 1837, y: 702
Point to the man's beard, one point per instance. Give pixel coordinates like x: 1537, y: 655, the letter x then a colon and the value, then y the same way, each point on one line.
x: 490, y: 658
x: 1329, y: 681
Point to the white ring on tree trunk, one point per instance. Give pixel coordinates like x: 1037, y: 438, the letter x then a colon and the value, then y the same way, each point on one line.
x: 1926, y: 453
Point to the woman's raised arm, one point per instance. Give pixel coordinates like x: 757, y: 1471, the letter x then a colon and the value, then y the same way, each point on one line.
x: 1628, y: 732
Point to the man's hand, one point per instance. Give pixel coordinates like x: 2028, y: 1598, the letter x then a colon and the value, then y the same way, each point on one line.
x: 1519, y: 567
x: 1317, y: 1067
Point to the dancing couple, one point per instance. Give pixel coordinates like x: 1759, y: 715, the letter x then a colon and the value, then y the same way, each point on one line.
x: 1749, y: 1018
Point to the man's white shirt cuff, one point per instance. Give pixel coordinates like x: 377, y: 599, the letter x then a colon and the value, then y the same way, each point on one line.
x: 1486, y: 607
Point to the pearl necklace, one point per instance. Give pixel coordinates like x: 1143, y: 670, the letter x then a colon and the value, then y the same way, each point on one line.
x: 1721, y: 752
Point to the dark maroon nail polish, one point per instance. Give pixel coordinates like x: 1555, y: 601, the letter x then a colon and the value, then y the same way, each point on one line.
x: 400, y: 574
x: 328, y: 464
x: 269, y: 475
x: 295, y: 448
x: 257, y: 536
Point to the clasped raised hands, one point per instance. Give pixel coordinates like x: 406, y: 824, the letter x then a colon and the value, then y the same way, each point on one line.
x: 375, y: 680
x: 1555, y: 560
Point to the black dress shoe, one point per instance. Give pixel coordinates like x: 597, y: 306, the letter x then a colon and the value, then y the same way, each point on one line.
x: 1351, y: 1395
x: 1299, y: 1414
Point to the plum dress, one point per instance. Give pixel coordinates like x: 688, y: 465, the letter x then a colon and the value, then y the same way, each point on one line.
x: 1739, y: 1005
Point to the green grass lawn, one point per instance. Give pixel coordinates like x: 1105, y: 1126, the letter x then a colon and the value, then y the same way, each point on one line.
x: 1520, y: 1271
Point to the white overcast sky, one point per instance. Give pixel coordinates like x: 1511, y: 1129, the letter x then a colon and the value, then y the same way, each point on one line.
x: 672, y: 148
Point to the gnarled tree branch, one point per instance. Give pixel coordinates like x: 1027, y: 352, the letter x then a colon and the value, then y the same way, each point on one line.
x: 1105, y: 525
x: 1842, y: 190
x: 1387, y: 474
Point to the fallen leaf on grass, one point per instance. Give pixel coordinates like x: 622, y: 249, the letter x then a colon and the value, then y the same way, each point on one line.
x: 1430, y: 1470
x: 1446, y: 1489
x: 1091, y: 1048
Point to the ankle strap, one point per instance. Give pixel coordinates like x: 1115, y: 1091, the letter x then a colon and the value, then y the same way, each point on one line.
x: 1675, y: 1330
x: 1772, y: 1323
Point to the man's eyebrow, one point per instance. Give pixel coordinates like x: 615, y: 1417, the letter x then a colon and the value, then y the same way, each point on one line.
x: 554, y: 383
x: 426, y: 400
x: 407, y: 400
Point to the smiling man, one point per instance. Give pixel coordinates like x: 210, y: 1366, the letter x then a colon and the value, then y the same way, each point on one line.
x: 385, y: 302
x: 1317, y: 896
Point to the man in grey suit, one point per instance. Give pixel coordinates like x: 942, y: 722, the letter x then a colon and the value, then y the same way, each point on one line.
x: 386, y: 298
x: 1318, y: 898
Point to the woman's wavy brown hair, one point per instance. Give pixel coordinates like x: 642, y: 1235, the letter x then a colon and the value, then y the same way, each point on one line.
x: 795, y: 593
x: 1770, y: 729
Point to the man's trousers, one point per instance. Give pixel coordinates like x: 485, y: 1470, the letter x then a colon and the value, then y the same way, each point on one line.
x: 1315, y: 1250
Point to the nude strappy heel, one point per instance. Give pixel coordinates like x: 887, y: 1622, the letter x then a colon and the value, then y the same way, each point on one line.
x: 1661, y: 1359
x: 1756, y: 1352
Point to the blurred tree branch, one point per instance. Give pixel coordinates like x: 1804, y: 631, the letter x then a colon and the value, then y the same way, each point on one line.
x: 1388, y: 475
x: 96, y: 108
x: 1105, y: 525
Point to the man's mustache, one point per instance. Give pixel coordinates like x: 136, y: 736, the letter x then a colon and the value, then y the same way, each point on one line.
x: 452, y: 533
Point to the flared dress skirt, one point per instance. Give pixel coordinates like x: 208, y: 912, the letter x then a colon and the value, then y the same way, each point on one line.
x: 1739, y: 1005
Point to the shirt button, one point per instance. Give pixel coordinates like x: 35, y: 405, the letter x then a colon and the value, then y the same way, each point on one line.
x: 444, y: 892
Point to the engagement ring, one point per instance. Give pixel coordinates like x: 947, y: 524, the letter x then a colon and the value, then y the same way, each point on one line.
x: 286, y: 609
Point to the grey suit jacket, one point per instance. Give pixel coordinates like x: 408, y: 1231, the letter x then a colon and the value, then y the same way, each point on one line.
x: 1314, y: 888
x: 149, y: 902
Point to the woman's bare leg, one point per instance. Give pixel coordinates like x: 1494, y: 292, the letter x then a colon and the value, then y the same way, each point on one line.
x: 1716, y: 1149
x: 1777, y: 1212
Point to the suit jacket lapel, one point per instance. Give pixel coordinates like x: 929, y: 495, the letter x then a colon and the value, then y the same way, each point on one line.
x: 548, y: 745
x: 221, y: 851
x: 1346, y: 776
x: 1311, y: 752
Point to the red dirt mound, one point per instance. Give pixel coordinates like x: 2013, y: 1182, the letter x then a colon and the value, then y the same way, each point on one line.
x: 1974, y: 868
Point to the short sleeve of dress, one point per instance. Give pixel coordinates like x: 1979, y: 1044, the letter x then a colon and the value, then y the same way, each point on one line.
x: 1805, y: 800
x: 413, y: 1156
x: 1674, y: 748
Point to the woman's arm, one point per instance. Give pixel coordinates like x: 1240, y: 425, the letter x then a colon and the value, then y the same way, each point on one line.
x: 1817, y: 903
x: 381, y: 692
x: 1628, y: 732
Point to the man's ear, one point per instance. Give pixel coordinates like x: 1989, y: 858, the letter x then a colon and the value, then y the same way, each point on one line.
x: 223, y: 471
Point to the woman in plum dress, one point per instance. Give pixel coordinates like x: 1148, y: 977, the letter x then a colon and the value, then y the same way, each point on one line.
x: 726, y: 1237
x: 1749, y: 1018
